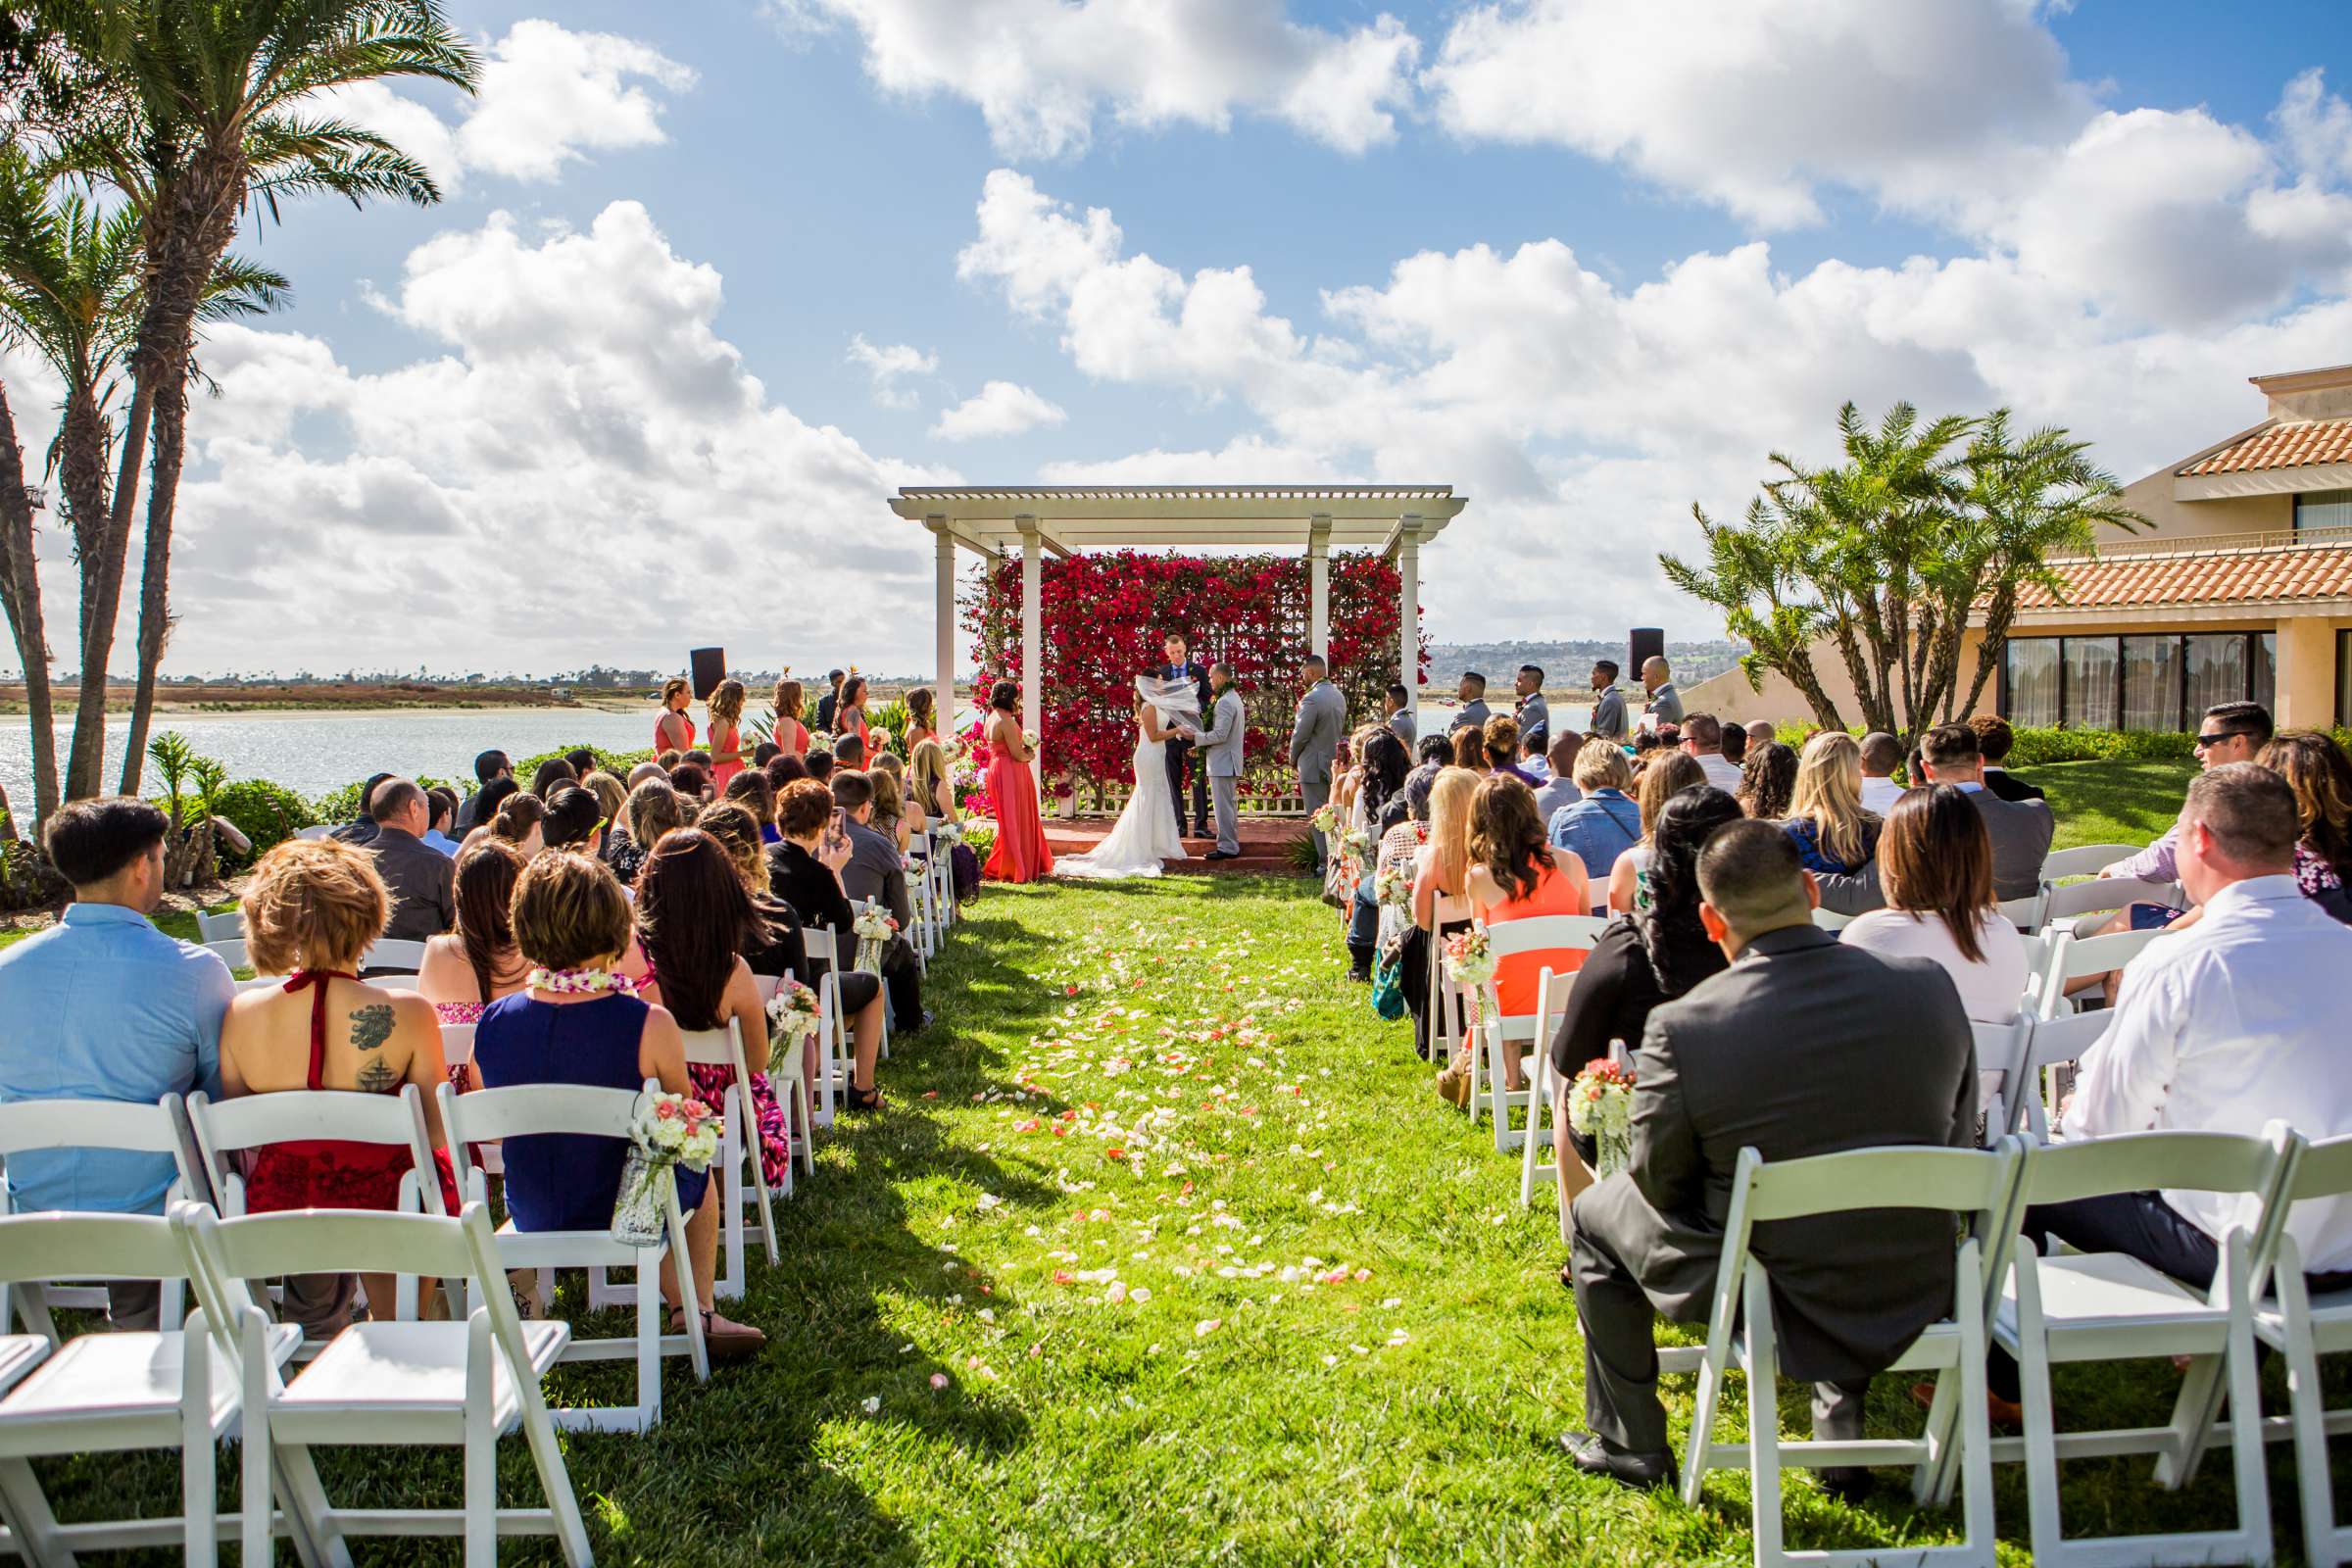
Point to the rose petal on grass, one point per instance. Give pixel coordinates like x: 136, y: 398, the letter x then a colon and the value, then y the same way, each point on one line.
x: 939, y: 1380
x: 1208, y: 1326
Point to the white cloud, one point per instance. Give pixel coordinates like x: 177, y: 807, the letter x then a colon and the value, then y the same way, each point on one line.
x: 887, y: 365
x: 1043, y: 71
x: 1001, y: 408
x: 548, y: 97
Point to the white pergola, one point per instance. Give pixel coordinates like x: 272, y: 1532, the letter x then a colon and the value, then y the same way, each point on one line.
x: 1061, y: 520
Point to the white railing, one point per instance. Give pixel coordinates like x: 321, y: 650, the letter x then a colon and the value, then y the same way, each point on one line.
x: 2222, y: 544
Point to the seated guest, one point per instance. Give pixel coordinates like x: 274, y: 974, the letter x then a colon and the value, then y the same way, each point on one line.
x: 1379, y: 779
x: 488, y: 768
x: 889, y: 819
x: 477, y: 963
x: 360, y: 829
x: 1560, y: 783
x: 694, y: 918
x: 522, y: 822
x: 1936, y: 867
x: 1516, y: 875
x: 441, y: 803
x: 1833, y: 830
x: 1605, y: 823
x: 311, y: 909
x: 1534, y: 760
x: 1994, y: 738
x: 819, y: 763
x: 2223, y: 1027
x: 1658, y: 955
x: 1701, y: 736
x: 612, y: 799
x: 2020, y: 830
x: 667, y: 760
x: 1760, y: 730
x: 2316, y: 768
x: 552, y: 772
x: 766, y: 753
x: 876, y: 874
x: 1501, y: 737
x: 102, y: 1006
x: 849, y: 752
x: 1470, y: 748
x: 1767, y: 780
x: 927, y: 775
x: 1667, y: 774
x: 1860, y: 1051
x: 582, y: 760
x: 1440, y: 870
x: 1734, y: 746
x: 751, y: 790
x: 485, y: 804
x: 580, y: 1027
x: 1881, y: 755
x: 786, y: 769
x: 645, y: 771
x: 805, y: 871
x: 2229, y: 732
x: 697, y: 757
x: 654, y: 809
x: 693, y: 784
x: 573, y: 821
x: 421, y: 879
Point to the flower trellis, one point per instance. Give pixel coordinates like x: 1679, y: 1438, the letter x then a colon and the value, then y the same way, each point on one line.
x: 1105, y: 614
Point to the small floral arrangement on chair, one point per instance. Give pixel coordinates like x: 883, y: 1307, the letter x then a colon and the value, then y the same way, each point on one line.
x: 947, y: 833
x: 667, y: 1130
x: 1393, y: 887
x: 874, y: 929
x: 1470, y: 965
x: 1324, y: 819
x: 1600, y: 1106
x: 1354, y: 845
x: 792, y: 1015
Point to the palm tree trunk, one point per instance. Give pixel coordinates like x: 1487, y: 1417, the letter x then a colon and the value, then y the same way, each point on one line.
x: 101, y: 536
x: 20, y: 592
x: 155, y: 600
x: 1998, y: 617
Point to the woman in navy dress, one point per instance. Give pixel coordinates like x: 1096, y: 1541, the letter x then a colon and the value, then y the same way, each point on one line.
x: 577, y: 1023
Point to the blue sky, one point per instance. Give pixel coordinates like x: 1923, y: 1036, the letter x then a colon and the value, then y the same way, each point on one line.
x: 1586, y: 262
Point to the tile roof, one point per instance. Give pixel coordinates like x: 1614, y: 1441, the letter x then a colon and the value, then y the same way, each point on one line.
x: 2289, y: 445
x: 2202, y: 578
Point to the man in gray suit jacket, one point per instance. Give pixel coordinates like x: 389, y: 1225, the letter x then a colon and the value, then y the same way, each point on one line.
x: 1220, y: 750
x: 1399, y: 715
x: 1803, y: 1047
x: 1608, y: 702
x: 2020, y: 830
x: 1315, y: 741
x: 1534, y: 714
x: 1472, y: 715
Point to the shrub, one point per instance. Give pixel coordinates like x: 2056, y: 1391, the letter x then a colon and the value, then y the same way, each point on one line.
x: 2037, y: 747
x: 266, y: 814
x: 616, y: 763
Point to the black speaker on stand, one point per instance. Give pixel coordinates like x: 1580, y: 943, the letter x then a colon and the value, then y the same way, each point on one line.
x: 710, y: 668
x: 1642, y: 644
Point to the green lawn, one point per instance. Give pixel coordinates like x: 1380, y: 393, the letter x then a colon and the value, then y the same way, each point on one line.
x: 2112, y: 802
x: 1167, y: 1252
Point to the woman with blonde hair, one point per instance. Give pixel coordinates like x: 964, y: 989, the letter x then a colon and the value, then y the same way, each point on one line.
x: 673, y: 731
x: 655, y: 809
x: 790, y: 733
x: 1667, y: 774
x: 1834, y: 835
x: 1606, y: 822
x: 726, y: 733
x: 1442, y: 866
x: 890, y: 805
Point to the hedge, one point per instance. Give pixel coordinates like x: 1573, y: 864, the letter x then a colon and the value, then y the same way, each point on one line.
x: 2035, y: 748
x: 266, y: 814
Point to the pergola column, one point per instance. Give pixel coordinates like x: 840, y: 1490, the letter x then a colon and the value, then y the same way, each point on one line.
x: 1033, y: 636
x: 942, y: 612
x: 1318, y: 585
x: 1409, y: 611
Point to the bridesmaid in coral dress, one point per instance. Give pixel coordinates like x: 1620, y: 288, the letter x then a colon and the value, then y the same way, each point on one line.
x: 1021, y: 854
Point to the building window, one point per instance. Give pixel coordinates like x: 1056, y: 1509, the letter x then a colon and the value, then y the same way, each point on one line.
x: 2343, y: 677
x: 2265, y: 648
x: 2092, y: 690
x: 2324, y: 508
x: 2033, y: 681
x: 2151, y: 682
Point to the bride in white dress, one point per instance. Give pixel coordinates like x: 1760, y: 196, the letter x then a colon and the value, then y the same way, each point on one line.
x: 1146, y: 832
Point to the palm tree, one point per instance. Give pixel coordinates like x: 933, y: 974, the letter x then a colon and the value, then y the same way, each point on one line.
x: 1759, y: 576
x: 211, y: 124
x: 21, y: 593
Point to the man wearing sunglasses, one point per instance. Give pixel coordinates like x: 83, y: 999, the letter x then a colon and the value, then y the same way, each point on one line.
x: 2229, y: 732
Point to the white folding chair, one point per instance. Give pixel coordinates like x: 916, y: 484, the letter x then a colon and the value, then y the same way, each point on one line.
x: 2098, y: 895
x: 1828, y: 919
x: 114, y: 1393
x: 227, y: 926
x: 321, y: 830
x: 1448, y: 1003
x: 821, y: 949
x: 2037, y: 947
x: 29, y: 1126
x: 229, y: 1127
x: 463, y: 1383
x: 1740, y: 1337
x: 2109, y: 1306
x: 2028, y: 913
x: 2084, y: 860
x: 1551, y: 1003
x: 2001, y: 1053
x: 723, y: 1047
x: 489, y: 1115
x: 393, y: 954
x: 1505, y: 1034
x: 2053, y: 1043
x: 2072, y: 958
x: 846, y: 942
x: 231, y: 952
x: 2304, y: 1327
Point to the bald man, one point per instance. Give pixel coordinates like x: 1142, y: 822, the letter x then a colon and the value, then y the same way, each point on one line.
x: 1665, y: 703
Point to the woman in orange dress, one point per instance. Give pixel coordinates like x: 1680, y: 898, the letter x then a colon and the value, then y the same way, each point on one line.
x: 726, y: 734
x: 1515, y: 874
x: 674, y: 730
x: 791, y: 733
x: 1021, y: 854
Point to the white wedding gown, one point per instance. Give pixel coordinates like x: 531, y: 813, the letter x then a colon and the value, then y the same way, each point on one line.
x: 1144, y: 833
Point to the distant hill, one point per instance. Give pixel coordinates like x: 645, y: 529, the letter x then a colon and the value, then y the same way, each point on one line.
x: 1566, y: 664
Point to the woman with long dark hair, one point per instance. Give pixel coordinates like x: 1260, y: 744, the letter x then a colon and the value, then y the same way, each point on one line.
x: 491, y: 797
x: 550, y: 774
x: 674, y: 730
x: 1381, y: 773
x: 922, y: 719
x: 2316, y: 768
x: 574, y: 820
x: 1021, y: 854
x: 477, y: 963
x: 1768, y: 781
x: 1655, y: 956
x: 848, y: 715
x: 1936, y: 868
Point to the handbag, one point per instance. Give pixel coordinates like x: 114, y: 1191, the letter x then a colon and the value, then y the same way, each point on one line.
x: 1387, y: 988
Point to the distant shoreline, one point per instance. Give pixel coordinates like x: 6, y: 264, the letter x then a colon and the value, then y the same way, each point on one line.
x: 307, y: 709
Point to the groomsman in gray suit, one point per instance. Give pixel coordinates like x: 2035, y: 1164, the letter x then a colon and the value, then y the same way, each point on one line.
x: 1220, y: 750
x: 1534, y: 714
x: 1608, y: 702
x: 1315, y: 741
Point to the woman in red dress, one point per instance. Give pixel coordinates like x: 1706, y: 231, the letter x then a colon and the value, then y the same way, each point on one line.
x: 791, y: 733
x: 673, y: 731
x: 726, y: 734
x: 1021, y: 854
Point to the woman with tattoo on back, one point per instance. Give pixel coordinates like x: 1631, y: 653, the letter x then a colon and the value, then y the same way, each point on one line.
x: 313, y: 907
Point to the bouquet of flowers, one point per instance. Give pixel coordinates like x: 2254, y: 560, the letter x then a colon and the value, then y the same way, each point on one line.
x: 947, y: 833
x: 820, y: 740
x: 1356, y: 844
x: 1029, y: 739
x: 667, y: 1130
x: 878, y: 740
x: 874, y: 928
x: 1393, y: 887
x: 1600, y: 1106
x: 1324, y: 819
x: 1470, y: 965
x: 792, y: 1015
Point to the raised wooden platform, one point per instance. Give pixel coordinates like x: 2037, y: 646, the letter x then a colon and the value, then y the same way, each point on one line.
x: 1265, y: 844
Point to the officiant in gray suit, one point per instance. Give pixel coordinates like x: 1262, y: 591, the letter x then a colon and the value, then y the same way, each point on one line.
x: 1220, y: 750
x: 1315, y: 742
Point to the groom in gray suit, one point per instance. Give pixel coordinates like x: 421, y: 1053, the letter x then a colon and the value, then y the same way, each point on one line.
x: 1315, y: 741
x: 1221, y: 748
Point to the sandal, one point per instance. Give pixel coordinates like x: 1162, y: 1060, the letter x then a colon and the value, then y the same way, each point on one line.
x: 856, y: 1098
x: 724, y: 1340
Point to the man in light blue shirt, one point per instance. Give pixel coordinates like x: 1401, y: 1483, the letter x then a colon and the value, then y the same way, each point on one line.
x: 442, y: 802
x: 104, y: 1006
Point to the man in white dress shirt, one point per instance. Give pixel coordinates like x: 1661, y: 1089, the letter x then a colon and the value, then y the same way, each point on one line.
x: 2222, y: 1027
x: 1881, y: 755
x: 1703, y: 738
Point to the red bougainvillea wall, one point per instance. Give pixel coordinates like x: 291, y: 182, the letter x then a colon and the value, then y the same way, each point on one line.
x: 1106, y: 615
